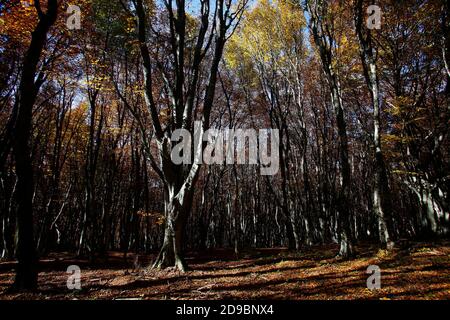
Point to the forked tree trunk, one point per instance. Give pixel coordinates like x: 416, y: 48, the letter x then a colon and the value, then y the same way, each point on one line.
x: 183, y: 94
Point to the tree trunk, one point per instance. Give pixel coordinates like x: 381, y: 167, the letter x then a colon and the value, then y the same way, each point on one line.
x: 346, y: 249
x: 179, y: 183
x: 435, y: 220
x: 381, y: 199
x: 323, y: 38
x: 171, y: 253
x: 26, y: 274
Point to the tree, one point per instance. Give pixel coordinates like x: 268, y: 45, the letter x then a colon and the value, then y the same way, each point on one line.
x: 368, y: 52
x: 321, y: 23
x: 270, y: 44
x: 181, y: 82
x: 30, y: 83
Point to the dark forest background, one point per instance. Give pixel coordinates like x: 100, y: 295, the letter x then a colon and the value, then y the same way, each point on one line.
x: 86, y: 117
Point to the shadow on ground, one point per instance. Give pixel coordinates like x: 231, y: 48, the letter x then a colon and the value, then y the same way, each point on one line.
x: 420, y: 271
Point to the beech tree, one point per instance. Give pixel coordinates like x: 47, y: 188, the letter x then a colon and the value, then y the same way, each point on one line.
x: 181, y: 84
x: 369, y: 56
x: 30, y: 82
x: 322, y: 27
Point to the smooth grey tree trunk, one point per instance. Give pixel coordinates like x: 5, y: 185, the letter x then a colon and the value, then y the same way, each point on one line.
x: 381, y: 198
x: 325, y: 42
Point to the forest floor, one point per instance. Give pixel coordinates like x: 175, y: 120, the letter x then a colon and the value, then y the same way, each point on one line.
x: 417, y: 271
